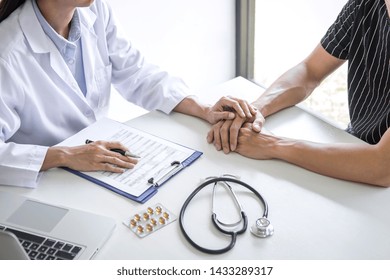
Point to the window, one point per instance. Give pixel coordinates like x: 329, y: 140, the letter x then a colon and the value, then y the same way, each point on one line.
x: 285, y: 33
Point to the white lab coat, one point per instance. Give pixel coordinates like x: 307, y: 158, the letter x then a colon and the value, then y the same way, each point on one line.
x: 40, y: 101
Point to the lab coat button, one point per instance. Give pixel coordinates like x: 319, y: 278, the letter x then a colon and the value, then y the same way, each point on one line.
x: 88, y: 113
x: 71, y: 61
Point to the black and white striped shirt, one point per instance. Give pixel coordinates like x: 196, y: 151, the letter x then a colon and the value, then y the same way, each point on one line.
x: 361, y: 35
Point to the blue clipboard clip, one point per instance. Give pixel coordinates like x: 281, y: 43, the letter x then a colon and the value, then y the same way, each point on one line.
x: 159, y: 179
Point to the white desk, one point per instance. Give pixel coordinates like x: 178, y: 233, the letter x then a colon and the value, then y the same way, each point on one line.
x: 315, y: 217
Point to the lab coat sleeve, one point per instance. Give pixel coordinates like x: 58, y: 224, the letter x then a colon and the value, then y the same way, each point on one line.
x: 136, y: 80
x: 20, y: 164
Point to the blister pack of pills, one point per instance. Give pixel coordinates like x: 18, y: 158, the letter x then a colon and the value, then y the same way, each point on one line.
x: 150, y: 220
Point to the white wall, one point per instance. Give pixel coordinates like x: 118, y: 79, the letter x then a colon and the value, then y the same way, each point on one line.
x: 192, y: 39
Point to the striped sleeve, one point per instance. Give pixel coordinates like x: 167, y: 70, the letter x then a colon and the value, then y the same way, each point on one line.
x: 338, y: 37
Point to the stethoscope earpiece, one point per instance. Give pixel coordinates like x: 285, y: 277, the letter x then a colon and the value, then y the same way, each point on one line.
x: 262, y: 228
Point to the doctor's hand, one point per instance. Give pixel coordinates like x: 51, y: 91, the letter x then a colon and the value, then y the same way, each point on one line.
x: 96, y: 156
x: 228, y: 108
x: 224, y: 134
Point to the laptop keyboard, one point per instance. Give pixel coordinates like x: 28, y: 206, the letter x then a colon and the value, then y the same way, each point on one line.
x: 42, y: 248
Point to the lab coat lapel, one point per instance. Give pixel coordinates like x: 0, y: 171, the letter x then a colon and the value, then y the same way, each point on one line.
x: 59, y: 66
x: 89, y: 46
x: 89, y: 42
x: 41, y: 44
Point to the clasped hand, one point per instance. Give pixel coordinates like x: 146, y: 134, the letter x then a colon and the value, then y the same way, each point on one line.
x: 224, y: 134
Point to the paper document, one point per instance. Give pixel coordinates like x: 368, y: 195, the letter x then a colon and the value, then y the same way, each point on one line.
x: 159, y: 159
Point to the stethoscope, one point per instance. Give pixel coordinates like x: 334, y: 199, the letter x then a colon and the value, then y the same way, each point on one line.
x: 261, y: 228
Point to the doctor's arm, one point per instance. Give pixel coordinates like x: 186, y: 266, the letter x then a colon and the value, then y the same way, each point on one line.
x: 354, y: 162
x: 21, y: 164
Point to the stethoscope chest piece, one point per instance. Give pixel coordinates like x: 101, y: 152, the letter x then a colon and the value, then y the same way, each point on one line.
x: 262, y: 228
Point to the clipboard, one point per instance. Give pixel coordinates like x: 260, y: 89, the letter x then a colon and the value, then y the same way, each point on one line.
x: 160, y: 160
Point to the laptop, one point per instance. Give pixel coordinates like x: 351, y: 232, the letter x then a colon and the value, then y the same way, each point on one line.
x: 49, y: 232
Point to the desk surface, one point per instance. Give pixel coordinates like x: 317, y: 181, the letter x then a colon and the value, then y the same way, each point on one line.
x: 315, y: 217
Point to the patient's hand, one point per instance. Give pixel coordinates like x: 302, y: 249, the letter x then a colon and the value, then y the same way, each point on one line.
x: 255, y: 145
x: 224, y: 134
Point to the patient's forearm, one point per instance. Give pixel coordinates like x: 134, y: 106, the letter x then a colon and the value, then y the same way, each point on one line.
x: 353, y: 162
